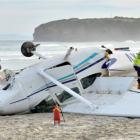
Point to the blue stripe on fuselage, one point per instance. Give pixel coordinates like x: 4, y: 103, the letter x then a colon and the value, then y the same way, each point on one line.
x: 84, y: 61
x: 62, y: 79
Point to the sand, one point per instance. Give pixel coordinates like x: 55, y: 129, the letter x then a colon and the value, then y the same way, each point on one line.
x: 76, y: 127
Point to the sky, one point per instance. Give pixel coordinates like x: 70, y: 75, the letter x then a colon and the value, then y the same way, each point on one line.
x: 20, y: 17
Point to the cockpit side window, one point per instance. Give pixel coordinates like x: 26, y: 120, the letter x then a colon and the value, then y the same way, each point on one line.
x: 62, y: 97
x: 89, y: 80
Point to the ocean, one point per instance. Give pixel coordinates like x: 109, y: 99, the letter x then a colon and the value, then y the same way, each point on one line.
x: 12, y: 58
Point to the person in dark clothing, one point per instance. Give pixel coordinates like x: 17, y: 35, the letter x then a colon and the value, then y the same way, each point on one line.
x: 136, y: 63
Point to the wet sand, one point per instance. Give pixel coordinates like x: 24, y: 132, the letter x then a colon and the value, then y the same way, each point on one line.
x: 76, y: 127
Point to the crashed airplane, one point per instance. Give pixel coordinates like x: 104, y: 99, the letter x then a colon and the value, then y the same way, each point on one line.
x: 74, y: 81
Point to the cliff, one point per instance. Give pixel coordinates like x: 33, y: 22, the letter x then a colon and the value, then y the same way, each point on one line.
x: 79, y: 30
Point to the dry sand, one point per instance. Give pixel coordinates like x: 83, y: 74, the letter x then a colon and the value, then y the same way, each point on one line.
x: 76, y: 127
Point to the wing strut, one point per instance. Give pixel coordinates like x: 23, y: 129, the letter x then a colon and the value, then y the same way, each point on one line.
x: 82, y: 99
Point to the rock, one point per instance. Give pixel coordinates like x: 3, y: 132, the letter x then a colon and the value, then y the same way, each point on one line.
x: 81, y: 30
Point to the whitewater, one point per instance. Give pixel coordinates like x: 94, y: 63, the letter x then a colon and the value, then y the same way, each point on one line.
x: 11, y: 57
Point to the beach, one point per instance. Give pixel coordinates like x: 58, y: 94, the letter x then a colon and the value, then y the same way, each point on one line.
x: 39, y: 126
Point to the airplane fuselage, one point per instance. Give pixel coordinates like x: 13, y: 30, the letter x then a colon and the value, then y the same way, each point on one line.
x: 28, y: 88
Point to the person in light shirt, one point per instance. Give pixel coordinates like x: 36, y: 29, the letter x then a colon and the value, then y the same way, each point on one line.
x: 105, y: 67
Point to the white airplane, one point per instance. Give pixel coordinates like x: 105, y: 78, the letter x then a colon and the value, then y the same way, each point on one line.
x: 73, y: 81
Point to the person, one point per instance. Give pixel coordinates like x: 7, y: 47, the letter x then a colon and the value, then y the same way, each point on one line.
x: 56, y: 113
x: 107, y: 63
x: 136, y: 63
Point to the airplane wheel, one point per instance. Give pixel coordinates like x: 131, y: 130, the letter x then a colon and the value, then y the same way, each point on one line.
x: 27, y: 48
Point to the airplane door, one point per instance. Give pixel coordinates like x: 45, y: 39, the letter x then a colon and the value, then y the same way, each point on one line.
x: 63, y: 73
